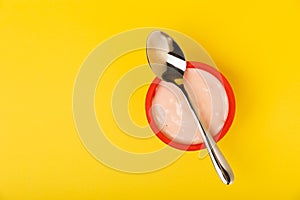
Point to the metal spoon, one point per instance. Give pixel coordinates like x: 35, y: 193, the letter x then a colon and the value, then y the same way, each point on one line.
x: 167, y: 61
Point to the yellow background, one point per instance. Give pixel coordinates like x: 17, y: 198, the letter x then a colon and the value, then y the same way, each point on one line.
x: 42, y: 45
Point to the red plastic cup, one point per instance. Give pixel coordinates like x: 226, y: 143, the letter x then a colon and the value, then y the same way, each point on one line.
x: 223, y: 130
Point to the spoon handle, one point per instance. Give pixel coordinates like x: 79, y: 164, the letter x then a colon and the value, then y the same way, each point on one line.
x: 221, y: 165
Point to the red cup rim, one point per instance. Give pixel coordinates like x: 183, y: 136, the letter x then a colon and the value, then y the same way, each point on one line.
x: 228, y: 121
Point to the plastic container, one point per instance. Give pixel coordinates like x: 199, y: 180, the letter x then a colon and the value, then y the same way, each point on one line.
x: 221, y: 101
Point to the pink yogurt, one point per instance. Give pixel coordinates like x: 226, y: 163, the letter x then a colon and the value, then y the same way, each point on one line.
x: 170, y: 117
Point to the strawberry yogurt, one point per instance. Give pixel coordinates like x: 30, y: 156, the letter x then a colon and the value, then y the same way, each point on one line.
x: 172, y: 116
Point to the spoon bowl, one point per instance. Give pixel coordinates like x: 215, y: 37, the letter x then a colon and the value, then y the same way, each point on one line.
x: 165, y: 57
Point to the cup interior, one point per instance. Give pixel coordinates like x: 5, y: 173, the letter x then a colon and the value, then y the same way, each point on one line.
x: 213, y: 78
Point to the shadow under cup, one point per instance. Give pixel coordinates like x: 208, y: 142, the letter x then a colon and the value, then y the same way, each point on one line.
x: 213, y: 78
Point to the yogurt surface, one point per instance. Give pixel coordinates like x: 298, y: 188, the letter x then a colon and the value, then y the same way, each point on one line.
x: 172, y: 115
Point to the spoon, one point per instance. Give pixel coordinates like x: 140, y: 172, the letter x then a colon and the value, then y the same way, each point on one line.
x: 168, y: 63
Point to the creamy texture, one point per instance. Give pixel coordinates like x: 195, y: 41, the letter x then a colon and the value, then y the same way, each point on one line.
x: 172, y: 115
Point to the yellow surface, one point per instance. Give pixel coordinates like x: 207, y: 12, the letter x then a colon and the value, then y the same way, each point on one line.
x: 43, y: 43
